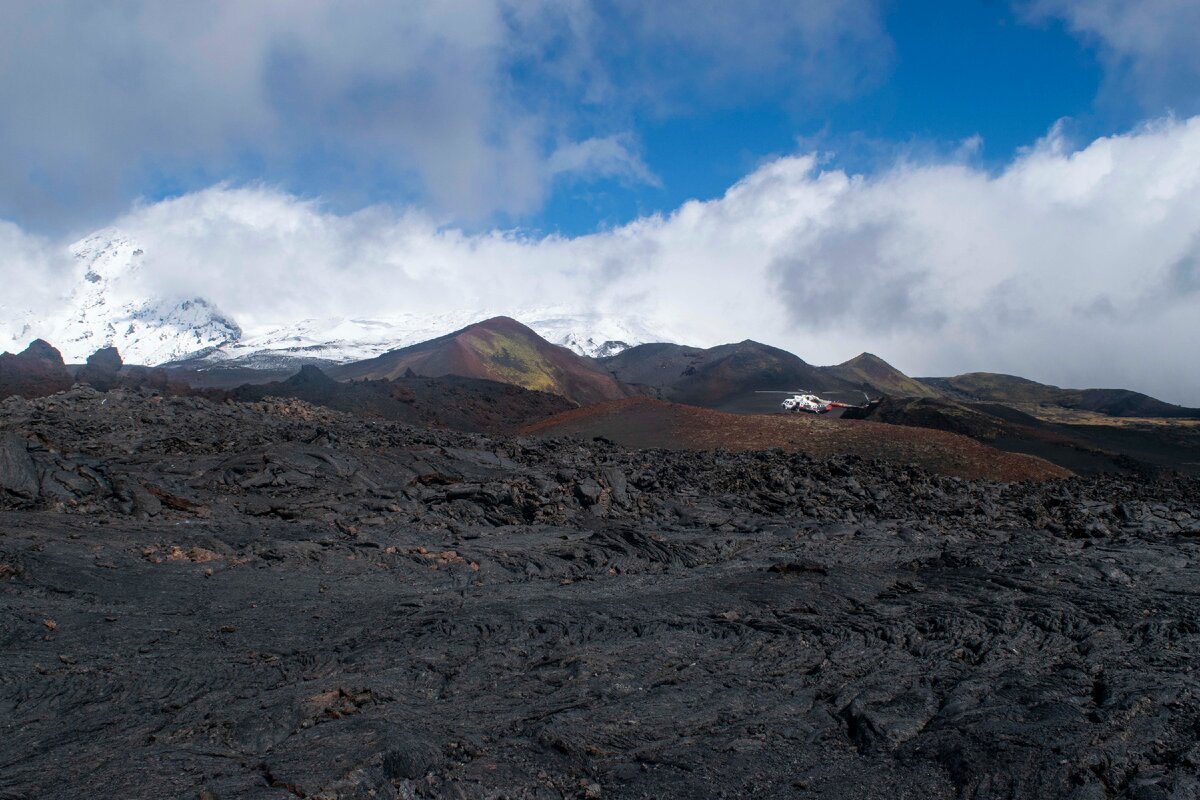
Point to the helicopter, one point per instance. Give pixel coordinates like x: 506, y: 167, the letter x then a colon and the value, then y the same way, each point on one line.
x: 804, y: 401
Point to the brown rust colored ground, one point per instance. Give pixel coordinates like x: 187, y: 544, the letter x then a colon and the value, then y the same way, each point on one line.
x: 646, y: 423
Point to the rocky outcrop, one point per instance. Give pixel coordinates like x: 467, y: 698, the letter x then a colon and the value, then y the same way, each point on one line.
x: 36, y: 371
x: 18, y: 473
x: 102, y: 370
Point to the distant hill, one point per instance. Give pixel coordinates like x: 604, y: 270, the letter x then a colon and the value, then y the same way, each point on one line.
x: 658, y: 365
x: 986, y: 422
x: 1121, y: 445
x: 499, y: 349
x: 728, y: 377
x: 875, y: 375
x: 999, y: 388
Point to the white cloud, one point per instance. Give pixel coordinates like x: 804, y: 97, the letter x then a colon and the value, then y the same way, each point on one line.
x: 471, y: 107
x: 412, y: 93
x: 609, y: 155
x: 1077, y: 267
x: 1148, y: 46
x: 32, y: 273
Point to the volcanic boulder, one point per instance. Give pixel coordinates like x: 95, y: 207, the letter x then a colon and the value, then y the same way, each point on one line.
x: 18, y: 474
x: 35, y: 372
x: 102, y: 370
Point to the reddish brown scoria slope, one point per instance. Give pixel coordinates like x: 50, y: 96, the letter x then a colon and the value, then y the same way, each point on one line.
x: 641, y: 422
x: 499, y: 349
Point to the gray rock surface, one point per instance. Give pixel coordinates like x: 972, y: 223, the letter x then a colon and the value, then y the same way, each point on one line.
x: 273, y: 600
x: 18, y: 474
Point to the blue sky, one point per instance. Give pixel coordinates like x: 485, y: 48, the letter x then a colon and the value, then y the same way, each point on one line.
x: 953, y: 71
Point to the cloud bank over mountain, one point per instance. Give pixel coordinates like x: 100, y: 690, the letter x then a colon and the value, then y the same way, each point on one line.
x: 1073, y: 265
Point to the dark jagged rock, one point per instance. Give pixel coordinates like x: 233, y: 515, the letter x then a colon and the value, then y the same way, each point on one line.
x: 102, y: 370
x: 36, y: 371
x: 39, y: 371
x: 106, y: 359
x: 18, y: 475
x: 273, y: 599
x: 42, y: 352
x: 310, y: 377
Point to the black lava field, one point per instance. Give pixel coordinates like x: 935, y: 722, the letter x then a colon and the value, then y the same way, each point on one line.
x: 275, y: 600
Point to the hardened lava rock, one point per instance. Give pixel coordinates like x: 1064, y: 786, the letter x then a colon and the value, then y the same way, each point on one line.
x: 274, y: 600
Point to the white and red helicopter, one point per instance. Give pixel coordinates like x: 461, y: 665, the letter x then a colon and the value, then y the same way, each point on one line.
x: 808, y: 403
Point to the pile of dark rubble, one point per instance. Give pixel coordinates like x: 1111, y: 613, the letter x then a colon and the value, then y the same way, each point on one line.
x: 214, y: 600
x: 144, y: 454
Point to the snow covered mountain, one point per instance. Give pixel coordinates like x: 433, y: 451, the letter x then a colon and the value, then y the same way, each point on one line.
x: 340, y: 340
x: 593, y: 335
x: 108, y: 305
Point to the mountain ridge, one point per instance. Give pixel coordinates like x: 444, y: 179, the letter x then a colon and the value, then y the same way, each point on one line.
x: 107, y: 306
x: 998, y: 387
x: 108, y: 303
x: 742, y: 376
x: 873, y: 372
